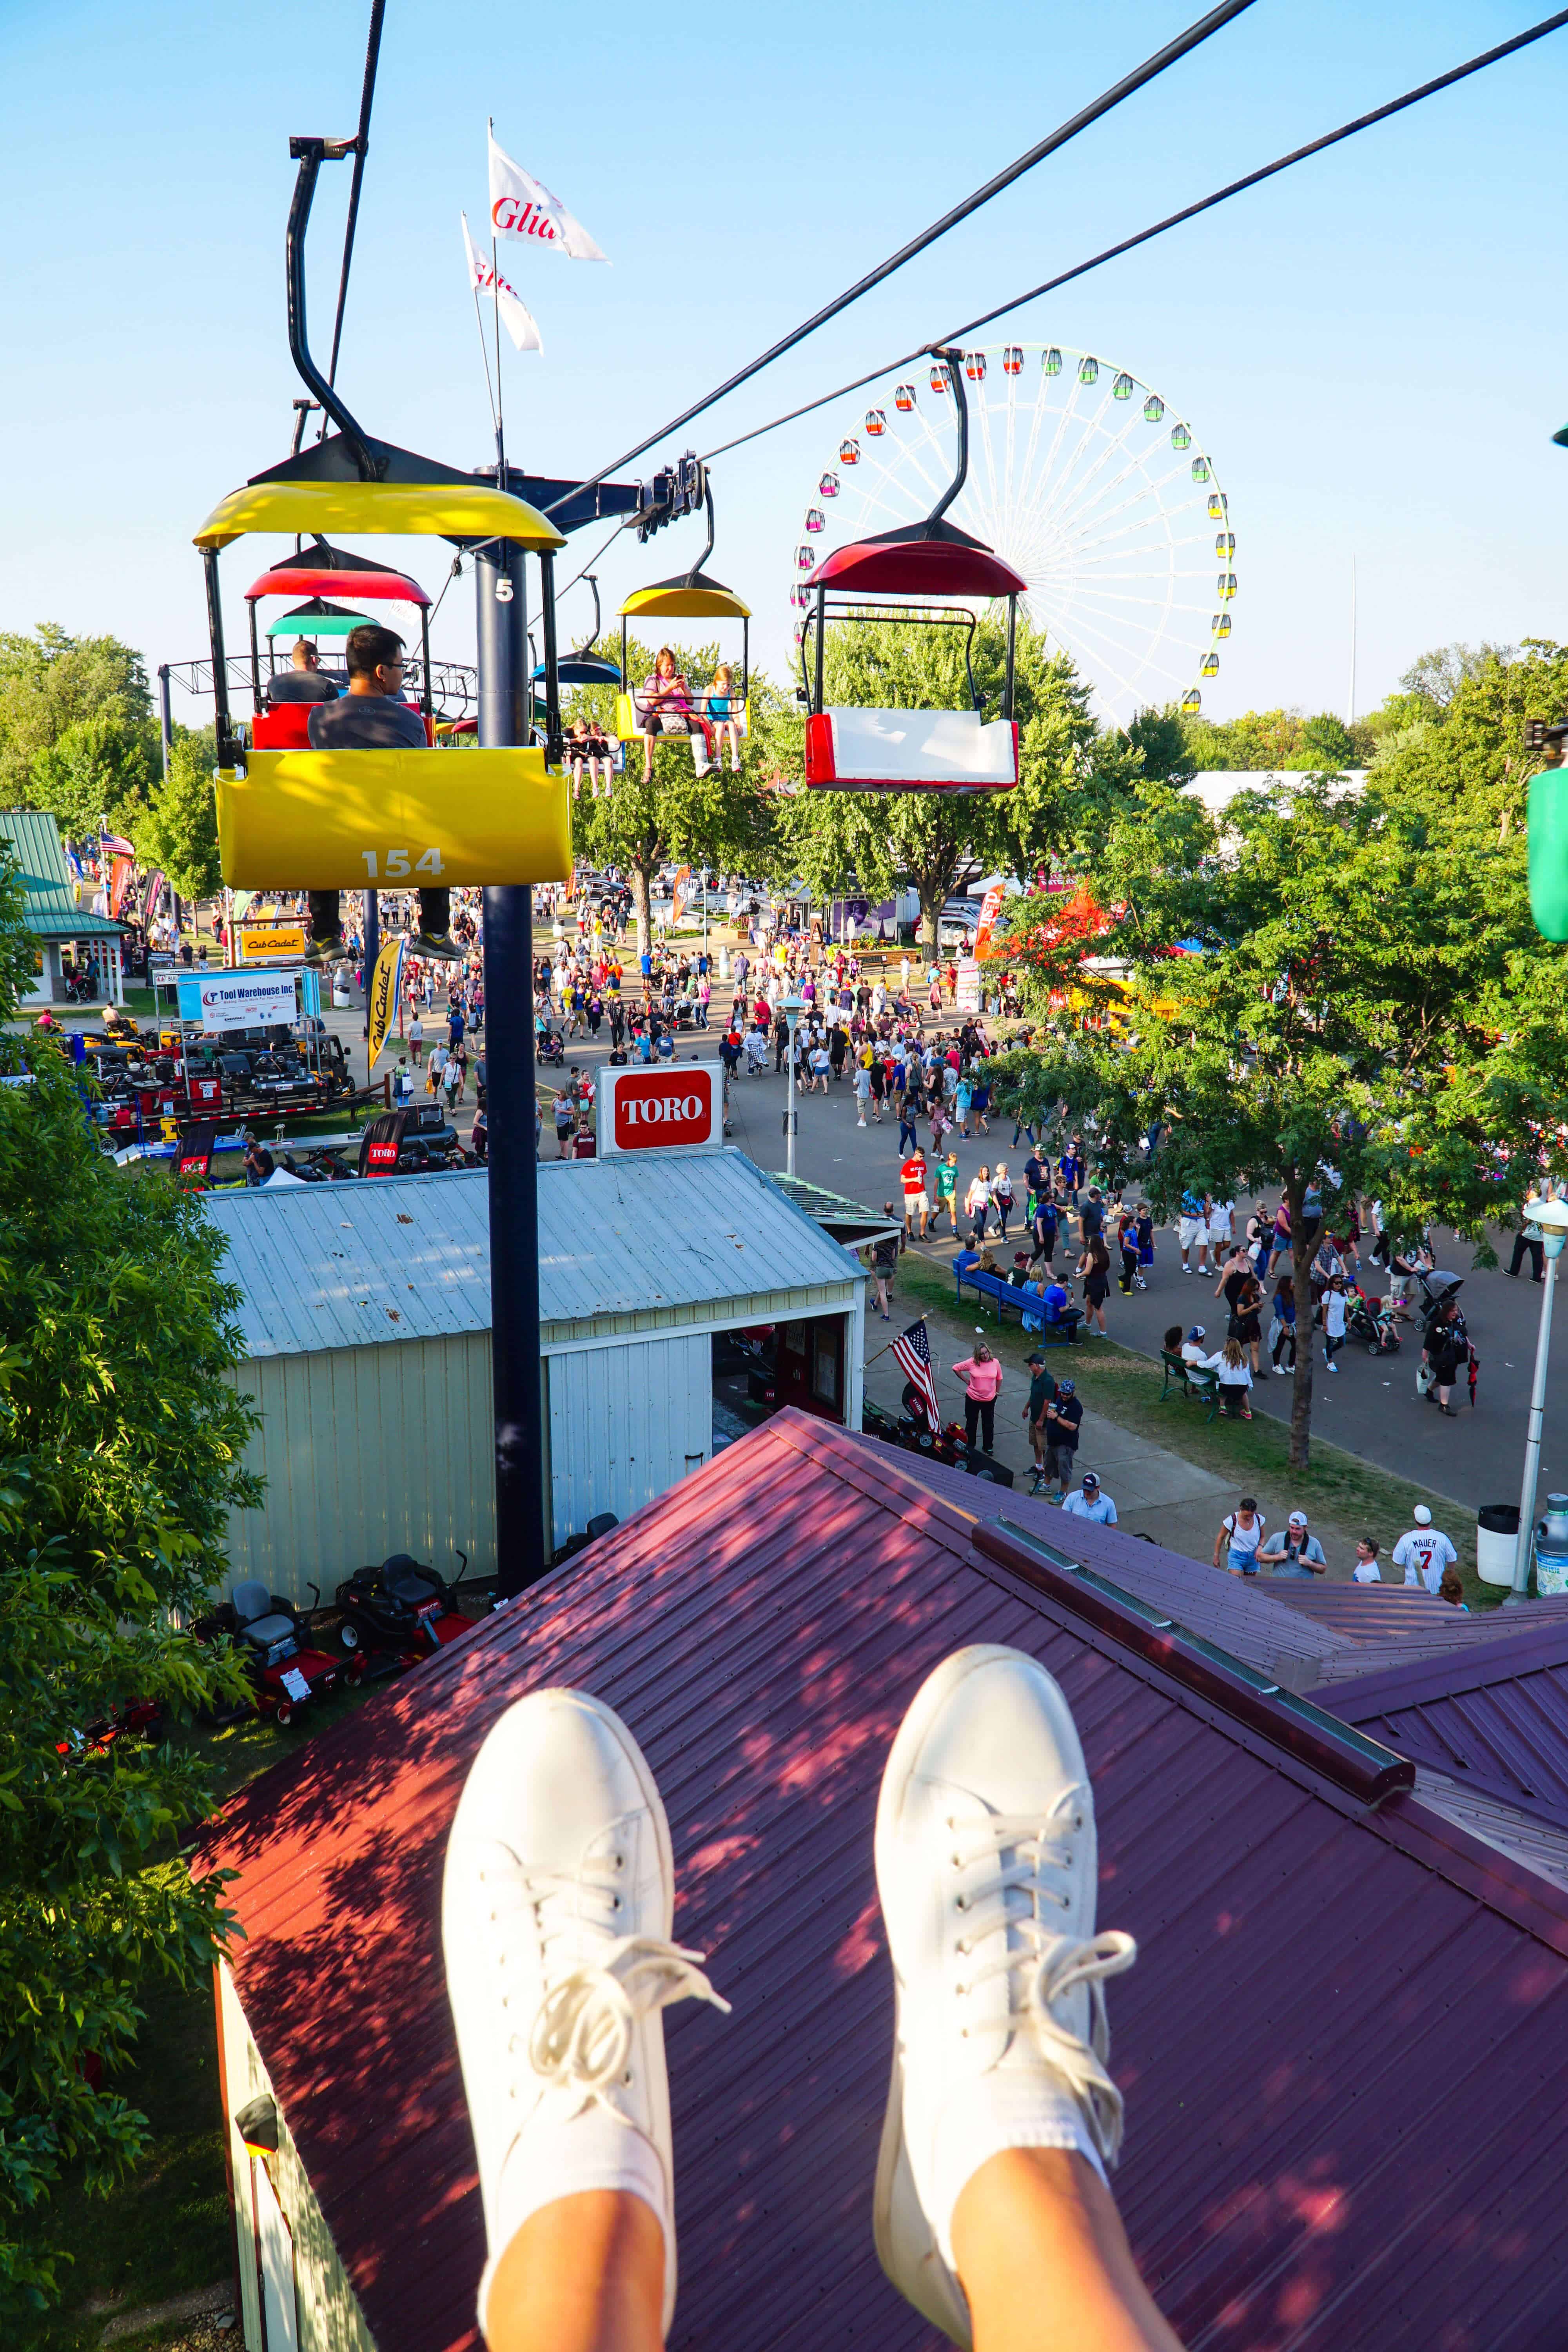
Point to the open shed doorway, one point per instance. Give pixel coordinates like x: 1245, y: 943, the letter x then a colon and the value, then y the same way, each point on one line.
x: 757, y: 1370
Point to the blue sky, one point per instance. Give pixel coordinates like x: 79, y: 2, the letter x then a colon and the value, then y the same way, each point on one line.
x: 1374, y: 347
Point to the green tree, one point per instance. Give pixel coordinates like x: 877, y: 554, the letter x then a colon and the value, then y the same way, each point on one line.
x: 936, y: 841
x: 119, y: 1445
x: 77, y: 732
x: 1162, y: 737
x: 178, y: 828
x: 718, y: 819
x: 1462, y: 743
x: 1371, y: 1010
x: 1327, y: 745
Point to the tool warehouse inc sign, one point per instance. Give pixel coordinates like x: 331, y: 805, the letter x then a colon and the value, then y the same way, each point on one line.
x: 237, y: 1000
x: 673, y: 1109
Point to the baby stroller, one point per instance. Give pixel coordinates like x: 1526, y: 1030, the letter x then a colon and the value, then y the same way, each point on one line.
x: 1371, y: 1321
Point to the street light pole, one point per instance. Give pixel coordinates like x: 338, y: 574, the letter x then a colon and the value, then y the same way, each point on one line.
x: 1549, y: 1221
x: 792, y: 1007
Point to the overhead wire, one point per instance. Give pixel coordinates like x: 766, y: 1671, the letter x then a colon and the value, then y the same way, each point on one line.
x: 1172, y: 220
x: 1163, y: 60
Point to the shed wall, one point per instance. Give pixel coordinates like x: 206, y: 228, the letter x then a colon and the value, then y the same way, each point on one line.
x: 627, y: 1423
x: 329, y: 2315
x: 367, y: 1451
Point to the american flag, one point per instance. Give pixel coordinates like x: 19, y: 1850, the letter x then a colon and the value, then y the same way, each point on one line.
x: 911, y: 1353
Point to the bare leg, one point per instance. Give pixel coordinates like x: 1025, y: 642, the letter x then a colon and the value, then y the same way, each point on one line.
x: 584, y: 2274
x: 1045, y: 2262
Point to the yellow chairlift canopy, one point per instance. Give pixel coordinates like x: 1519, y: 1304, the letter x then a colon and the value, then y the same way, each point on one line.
x: 674, y: 600
x: 440, y: 510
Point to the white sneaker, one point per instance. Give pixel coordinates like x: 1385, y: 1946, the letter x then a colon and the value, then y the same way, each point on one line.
x: 987, y: 1867
x: 556, y: 1916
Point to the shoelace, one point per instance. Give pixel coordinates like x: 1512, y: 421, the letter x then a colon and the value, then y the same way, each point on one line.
x: 1054, y: 1967
x: 582, y: 2036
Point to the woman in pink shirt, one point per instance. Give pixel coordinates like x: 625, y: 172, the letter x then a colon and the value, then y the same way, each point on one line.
x: 981, y: 1377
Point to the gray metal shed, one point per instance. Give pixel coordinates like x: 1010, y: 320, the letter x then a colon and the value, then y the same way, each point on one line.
x: 365, y: 1318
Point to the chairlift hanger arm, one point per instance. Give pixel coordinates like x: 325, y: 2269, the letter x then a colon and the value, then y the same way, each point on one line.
x: 309, y: 154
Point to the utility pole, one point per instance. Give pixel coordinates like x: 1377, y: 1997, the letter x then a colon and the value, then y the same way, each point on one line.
x: 513, y: 1168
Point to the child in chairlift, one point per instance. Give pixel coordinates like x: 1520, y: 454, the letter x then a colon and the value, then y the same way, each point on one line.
x: 667, y: 709
x: 725, y: 715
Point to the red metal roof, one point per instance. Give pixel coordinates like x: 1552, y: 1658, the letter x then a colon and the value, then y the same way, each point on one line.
x: 1344, y: 2046
x: 1454, y: 1634
x: 1242, y: 1614
x: 1395, y: 1613
x: 1493, y: 1713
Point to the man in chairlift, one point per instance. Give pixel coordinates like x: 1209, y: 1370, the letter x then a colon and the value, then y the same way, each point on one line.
x: 373, y: 717
x: 304, y: 682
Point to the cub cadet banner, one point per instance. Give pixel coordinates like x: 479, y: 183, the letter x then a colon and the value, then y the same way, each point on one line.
x: 270, y: 942
x: 385, y: 983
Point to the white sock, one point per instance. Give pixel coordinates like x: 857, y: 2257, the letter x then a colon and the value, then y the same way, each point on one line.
x: 594, y: 2150
x: 999, y: 2111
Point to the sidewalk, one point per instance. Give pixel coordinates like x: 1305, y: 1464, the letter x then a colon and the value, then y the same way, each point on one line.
x: 1129, y: 1440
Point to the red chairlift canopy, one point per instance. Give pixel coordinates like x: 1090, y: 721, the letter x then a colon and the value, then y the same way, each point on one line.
x: 948, y: 564
x: 322, y: 570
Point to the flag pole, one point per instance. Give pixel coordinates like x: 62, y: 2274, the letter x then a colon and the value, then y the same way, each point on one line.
x: 495, y: 290
x: 485, y: 355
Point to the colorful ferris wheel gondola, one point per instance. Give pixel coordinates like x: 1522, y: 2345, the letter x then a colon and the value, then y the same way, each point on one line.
x: 929, y: 574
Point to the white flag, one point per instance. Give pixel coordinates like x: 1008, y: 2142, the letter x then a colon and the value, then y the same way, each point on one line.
x: 521, y: 206
x: 520, y: 322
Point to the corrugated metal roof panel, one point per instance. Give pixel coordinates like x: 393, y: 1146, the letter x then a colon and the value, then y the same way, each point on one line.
x: 1243, y: 1615
x: 407, y: 1257
x: 1454, y: 1634
x: 1294, y: 2181
x: 1390, y: 1612
x: 1493, y: 1715
x: 1524, y: 1837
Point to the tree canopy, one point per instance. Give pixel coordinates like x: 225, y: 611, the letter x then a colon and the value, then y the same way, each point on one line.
x: 77, y: 736
x: 120, y: 1440
x: 1318, y: 989
x: 177, y: 830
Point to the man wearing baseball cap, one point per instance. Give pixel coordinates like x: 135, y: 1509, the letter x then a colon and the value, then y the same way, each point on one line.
x: 1295, y: 1551
x: 1042, y: 1392
x: 1087, y: 1502
x: 1424, y: 1551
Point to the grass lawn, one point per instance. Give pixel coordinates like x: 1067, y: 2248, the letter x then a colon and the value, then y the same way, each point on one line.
x: 1124, y: 1386
x: 166, y: 2229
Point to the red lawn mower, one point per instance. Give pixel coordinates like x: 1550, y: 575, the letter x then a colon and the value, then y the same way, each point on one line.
x: 398, y: 1613
x: 274, y: 1638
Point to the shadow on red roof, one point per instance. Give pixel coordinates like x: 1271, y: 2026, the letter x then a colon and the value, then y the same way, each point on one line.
x: 1344, y: 2046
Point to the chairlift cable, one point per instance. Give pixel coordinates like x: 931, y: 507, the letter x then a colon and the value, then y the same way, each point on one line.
x: 362, y: 142
x: 1173, y: 220
x: 1173, y: 52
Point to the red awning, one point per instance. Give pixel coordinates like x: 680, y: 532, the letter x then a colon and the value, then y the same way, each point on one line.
x: 915, y: 567
x: 305, y: 579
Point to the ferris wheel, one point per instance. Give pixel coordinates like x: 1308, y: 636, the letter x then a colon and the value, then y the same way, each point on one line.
x: 1083, y: 477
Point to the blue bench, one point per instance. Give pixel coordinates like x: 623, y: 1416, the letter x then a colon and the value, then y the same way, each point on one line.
x: 1058, y: 1333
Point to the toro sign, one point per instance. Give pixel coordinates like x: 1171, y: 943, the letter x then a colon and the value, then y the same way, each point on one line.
x: 669, y: 1108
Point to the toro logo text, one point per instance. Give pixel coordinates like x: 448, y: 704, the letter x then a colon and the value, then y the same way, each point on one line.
x: 658, y: 1107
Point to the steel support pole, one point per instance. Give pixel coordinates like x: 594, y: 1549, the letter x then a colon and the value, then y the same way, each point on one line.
x: 516, y: 1371
x: 1521, y: 1592
x: 372, y: 949
x: 166, y: 718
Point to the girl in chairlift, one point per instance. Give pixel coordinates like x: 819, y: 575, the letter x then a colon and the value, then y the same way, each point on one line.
x: 667, y: 709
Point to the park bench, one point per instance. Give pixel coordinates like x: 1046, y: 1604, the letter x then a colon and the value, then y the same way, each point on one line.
x: 1193, y: 1381
x: 1059, y: 1332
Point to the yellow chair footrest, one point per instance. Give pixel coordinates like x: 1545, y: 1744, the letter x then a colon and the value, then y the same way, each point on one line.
x: 342, y: 820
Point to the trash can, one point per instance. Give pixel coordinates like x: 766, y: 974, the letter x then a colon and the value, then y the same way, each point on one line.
x: 1551, y: 1547
x: 1496, y: 1540
x: 723, y: 963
